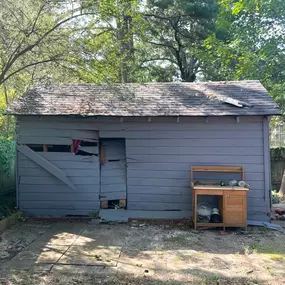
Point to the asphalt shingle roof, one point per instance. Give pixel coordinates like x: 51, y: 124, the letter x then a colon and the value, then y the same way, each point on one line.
x: 152, y: 99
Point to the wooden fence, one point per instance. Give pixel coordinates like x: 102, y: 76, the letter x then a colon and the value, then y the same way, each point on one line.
x: 277, y: 156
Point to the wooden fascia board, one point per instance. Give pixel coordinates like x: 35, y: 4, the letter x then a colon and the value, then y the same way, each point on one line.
x: 48, y: 166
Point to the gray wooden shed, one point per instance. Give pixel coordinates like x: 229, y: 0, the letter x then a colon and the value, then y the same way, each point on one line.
x: 79, y: 144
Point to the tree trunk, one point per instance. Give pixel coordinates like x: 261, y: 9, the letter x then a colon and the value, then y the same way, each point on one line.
x: 7, y: 117
x: 282, y: 187
x: 126, y: 40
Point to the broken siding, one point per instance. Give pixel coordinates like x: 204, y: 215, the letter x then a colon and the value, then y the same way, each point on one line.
x: 42, y: 193
x: 160, y: 153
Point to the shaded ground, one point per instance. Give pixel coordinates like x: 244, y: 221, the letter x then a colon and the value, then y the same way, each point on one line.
x: 77, y: 253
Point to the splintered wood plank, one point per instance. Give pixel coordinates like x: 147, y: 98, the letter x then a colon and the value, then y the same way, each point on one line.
x: 47, y: 165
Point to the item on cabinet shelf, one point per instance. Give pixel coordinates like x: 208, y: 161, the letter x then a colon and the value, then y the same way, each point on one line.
x: 223, y: 183
x: 204, y: 209
x: 203, y: 219
x: 215, y: 217
x: 241, y: 184
x: 233, y: 183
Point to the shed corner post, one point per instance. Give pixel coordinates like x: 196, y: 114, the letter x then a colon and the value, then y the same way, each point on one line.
x: 266, y: 155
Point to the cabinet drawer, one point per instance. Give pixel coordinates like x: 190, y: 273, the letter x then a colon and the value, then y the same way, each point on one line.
x: 209, y: 192
x: 235, y: 193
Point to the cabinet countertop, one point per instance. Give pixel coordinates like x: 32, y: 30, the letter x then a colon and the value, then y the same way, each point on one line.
x: 219, y: 187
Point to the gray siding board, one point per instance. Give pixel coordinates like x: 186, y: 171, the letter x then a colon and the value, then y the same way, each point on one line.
x: 113, y: 188
x: 66, y: 156
x: 114, y: 195
x: 50, y: 189
x: 24, y: 171
x: 164, y: 198
x: 49, y: 124
x: 58, y: 133
x: 191, y: 150
x: 64, y: 162
x: 44, y: 140
x: 63, y: 165
x: 60, y: 205
x: 115, y: 165
x: 184, y: 174
x: 35, y: 212
x: 43, y: 180
x: 258, y: 168
x: 159, y: 206
x: 122, y: 215
x: 219, y: 142
x: 196, y: 159
x: 245, y: 134
x: 57, y: 196
x: 172, y: 126
x: 113, y: 180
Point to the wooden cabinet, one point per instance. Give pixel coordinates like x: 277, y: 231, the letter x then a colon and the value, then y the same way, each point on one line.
x: 235, y: 208
x: 232, y: 199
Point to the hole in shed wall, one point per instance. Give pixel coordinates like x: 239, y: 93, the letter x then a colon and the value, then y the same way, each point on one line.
x: 85, y: 147
x: 49, y: 148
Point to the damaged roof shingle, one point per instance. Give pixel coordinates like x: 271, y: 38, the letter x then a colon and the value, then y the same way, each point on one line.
x: 152, y: 99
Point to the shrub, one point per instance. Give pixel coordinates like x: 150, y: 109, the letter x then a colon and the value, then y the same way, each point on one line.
x: 7, y: 154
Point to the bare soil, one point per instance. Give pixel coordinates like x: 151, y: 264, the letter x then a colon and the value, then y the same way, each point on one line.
x: 139, y: 253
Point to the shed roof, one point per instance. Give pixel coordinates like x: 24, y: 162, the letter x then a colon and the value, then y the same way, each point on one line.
x: 235, y: 98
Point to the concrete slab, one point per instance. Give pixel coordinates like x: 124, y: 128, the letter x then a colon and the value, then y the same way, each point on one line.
x: 91, y: 255
x: 75, y: 269
x: 98, y: 245
x: 64, y: 233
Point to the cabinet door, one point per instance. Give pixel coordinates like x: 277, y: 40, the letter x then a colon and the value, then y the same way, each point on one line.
x: 234, y: 209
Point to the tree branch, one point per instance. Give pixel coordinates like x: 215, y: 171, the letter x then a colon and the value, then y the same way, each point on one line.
x: 14, y: 56
x: 158, y: 59
x: 26, y: 66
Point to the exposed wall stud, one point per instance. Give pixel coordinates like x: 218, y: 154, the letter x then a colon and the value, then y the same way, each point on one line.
x: 72, y: 148
x: 104, y: 204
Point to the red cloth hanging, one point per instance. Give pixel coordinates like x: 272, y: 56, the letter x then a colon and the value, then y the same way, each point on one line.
x: 76, y: 145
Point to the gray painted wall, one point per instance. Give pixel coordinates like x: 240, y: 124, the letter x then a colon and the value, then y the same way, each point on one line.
x: 159, y: 155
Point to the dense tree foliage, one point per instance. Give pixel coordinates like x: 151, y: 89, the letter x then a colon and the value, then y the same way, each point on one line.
x: 97, y: 41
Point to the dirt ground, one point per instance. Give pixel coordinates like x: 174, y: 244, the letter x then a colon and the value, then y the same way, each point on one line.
x: 136, y: 253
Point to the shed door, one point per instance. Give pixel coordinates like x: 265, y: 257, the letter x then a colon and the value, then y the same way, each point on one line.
x: 113, y: 173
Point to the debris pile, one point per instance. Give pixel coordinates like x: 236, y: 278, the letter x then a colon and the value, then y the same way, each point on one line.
x: 279, y: 214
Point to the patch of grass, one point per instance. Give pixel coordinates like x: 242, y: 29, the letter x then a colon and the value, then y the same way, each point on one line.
x: 179, y: 240
x: 274, y: 253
